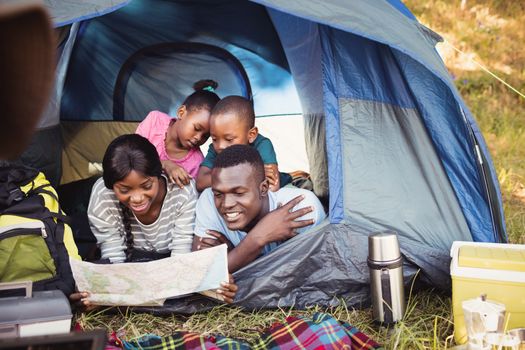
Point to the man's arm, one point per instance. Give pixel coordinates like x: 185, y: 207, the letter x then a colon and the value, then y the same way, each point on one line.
x: 278, y: 225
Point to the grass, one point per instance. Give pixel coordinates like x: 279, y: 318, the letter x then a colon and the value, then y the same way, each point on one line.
x: 427, y: 324
x: 492, y: 33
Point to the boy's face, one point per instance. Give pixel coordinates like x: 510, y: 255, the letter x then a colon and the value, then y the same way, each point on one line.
x: 227, y: 130
x: 239, y: 195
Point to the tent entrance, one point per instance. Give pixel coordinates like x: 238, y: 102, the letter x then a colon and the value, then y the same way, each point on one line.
x: 159, y: 77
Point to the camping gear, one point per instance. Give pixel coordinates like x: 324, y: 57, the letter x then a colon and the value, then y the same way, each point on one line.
x: 390, y: 143
x: 36, y: 313
x: 33, y: 231
x: 386, y: 277
x: 27, y: 56
x: 502, y: 341
x: 321, y: 331
x: 86, y: 340
x: 497, y: 270
x: 520, y: 334
x: 482, y: 317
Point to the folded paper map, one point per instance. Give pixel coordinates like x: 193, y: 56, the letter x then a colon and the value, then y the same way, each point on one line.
x: 151, y: 283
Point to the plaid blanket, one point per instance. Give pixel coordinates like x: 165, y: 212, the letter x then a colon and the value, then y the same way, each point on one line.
x: 321, y: 332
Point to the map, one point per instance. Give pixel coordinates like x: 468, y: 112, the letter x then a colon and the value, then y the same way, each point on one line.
x: 151, y: 283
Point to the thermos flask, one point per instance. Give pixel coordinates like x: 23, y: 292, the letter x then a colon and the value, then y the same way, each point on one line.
x: 386, y: 277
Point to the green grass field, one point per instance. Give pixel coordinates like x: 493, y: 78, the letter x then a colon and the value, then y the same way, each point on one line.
x: 490, y: 32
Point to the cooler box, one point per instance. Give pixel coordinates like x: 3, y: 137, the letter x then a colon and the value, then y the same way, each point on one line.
x: 494, y: 269
x: 36, y: 313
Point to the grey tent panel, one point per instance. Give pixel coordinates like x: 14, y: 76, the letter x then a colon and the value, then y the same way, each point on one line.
x: 393, y: 177
x: 301, y: 44
x: 319, y: 267
x: 64, y: 12
x: 315, y: 144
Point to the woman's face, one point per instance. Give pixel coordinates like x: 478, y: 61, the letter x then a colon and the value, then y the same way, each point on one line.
x: 138, y: 192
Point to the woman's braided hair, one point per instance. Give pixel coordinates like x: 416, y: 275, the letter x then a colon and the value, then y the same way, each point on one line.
x: 123, y: 155
x: 128, y: 236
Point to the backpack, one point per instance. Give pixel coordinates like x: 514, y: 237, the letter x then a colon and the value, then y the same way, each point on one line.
x: 32, y: 231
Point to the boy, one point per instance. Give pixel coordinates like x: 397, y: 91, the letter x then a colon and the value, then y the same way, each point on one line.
x: 232, y: 122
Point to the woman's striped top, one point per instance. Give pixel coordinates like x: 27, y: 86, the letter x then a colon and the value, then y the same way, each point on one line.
x: 172, y: 231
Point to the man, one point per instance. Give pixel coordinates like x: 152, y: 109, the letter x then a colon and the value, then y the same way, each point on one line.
x: 239, y: 209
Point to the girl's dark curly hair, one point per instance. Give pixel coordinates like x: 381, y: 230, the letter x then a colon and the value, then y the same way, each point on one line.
x: 204, y: 96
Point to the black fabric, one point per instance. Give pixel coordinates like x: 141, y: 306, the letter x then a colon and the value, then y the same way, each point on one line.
x: 45, y: 153
x: 139, y: 255
x: 12, y: 177
x: 32, y: 205
x: 74, y: 199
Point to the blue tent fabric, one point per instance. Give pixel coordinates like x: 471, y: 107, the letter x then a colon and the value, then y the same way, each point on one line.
x: 98, y: 58
x: 415, y: 52
x: 398, y: 5
x: 451, y: 138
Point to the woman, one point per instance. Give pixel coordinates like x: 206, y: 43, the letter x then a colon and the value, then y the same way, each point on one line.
x: 135, y: 213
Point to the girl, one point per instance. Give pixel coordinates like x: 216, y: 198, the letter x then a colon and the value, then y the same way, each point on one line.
x: 177, y: 140
x: 135, y: 214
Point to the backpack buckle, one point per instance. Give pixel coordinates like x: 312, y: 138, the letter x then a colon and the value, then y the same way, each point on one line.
x: 15, y: 195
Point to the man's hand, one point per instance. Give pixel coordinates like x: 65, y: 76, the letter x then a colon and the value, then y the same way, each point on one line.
x: 219, y: 239
x: 281, y: 224
x: 228, y: 290
x: 278, y: 225
x: 176, y: 173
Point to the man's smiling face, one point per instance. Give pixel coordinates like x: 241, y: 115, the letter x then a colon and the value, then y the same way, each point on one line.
x: 239, y: 194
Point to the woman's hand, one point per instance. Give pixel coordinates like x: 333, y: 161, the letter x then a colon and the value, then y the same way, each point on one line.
x: 228, y: 290
x: 176, y: 173
x: 80, y: 302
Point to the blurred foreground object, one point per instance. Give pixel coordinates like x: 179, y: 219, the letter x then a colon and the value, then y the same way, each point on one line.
x: 27, y: 50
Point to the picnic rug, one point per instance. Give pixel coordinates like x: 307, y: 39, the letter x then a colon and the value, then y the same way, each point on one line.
x: 322, y: 331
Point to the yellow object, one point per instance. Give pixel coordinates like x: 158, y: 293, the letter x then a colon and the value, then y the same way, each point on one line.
x: 497, y: 270
x: 54, y: 207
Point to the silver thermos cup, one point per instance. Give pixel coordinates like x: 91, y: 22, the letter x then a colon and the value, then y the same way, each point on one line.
x: 386, y: 277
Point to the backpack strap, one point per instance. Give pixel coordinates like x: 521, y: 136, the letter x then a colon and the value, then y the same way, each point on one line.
x: 58, y: 215
x: 12, y: 177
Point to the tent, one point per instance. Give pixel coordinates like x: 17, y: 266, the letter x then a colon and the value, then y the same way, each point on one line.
x: 391, y: 145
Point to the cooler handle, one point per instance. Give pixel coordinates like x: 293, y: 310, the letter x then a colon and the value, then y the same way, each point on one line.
x: 27, y: 285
